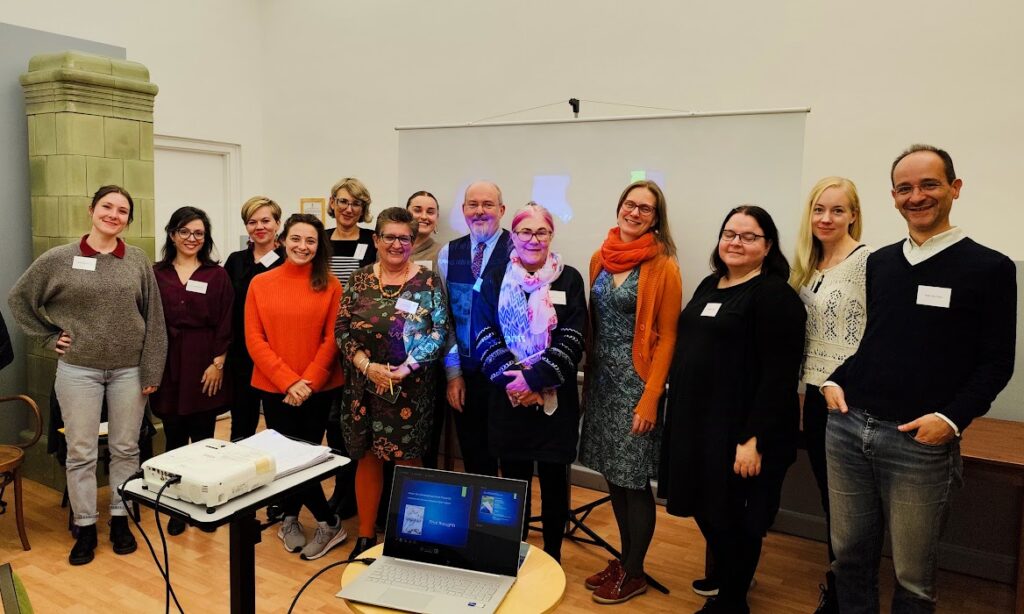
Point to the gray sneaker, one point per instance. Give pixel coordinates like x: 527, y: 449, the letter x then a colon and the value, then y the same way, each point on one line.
x: 327, y: 537
x: 291, y: 534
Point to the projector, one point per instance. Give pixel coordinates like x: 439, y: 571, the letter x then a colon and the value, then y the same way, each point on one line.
x: 212, y: 472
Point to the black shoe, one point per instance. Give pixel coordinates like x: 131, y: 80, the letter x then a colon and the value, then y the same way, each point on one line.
x: 362, y: 545
x: 82, y: 551
x: 176, y: 526
x: 827, y: 603
x: 706, y: 587
x: 121, y: 536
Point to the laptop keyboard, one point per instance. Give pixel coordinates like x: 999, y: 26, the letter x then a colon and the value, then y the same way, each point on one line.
x: 433, y: 580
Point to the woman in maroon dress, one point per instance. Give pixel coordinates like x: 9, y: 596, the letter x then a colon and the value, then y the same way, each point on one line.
x: 196, y: 296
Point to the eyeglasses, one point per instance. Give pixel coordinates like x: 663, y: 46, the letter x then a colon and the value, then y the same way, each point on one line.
x: 487, y: 206
x: 746, y: 238
x: 405, y: 240
x: 927, y: 187
x: 185, y: 233
x: 644, y: 210
x: 543, y: 235
x: 344, y: 202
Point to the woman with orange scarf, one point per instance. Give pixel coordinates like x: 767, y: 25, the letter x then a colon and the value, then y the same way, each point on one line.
x: 635, y: 299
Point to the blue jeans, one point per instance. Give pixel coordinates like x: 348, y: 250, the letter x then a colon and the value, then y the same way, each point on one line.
x: 80, y: 391
x: 879, y: 477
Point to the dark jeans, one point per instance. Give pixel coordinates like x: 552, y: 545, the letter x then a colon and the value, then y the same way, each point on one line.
x: 180, y: 430
x: 815, y: 420
x: 554, y: 499
x: 471, y: 426
x: 306, y: 422
x: 245, y: 402
x: 880, y: 477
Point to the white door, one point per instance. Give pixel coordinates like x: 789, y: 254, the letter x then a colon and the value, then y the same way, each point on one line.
x: 203, y: 175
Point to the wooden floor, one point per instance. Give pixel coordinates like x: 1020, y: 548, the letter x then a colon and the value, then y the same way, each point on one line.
x: 788, y: 576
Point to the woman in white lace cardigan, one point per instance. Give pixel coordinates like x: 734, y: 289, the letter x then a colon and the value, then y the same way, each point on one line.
x: 829, y: 273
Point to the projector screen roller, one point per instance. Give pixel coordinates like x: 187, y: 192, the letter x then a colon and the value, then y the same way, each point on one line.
x: 705, y: 163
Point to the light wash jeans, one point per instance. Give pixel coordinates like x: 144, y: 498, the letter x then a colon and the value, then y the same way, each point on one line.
x: 80, y: 391
x: 879, y: 477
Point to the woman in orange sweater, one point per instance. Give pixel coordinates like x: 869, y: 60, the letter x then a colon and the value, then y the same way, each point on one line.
x: 289, y: 331
x: 635, y: 298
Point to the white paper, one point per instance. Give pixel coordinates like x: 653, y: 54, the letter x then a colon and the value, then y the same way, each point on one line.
x: 269, y: 258
x: 426, y: 264
x: 360, y: 251
x: 289, y: 454
x: 404, y: 304
x: 557, y: 297
x: 711, y: 310
x: 199, y: 287
x: 934, y: 296
x: 806, y: 295
x: 83, y: 263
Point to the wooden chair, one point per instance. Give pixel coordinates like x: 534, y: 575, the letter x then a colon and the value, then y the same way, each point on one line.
x: 11, y: 459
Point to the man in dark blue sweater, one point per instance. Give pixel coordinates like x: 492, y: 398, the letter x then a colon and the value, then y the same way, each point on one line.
x: 938, y: 348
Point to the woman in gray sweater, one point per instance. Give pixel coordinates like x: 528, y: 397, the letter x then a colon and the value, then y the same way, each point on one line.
x: 96, y: 304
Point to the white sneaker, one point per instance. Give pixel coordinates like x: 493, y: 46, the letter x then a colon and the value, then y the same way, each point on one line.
x: 291, y: 534
x: 327, y: 537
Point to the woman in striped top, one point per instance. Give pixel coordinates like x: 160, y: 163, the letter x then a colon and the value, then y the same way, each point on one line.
x: 352, y: 247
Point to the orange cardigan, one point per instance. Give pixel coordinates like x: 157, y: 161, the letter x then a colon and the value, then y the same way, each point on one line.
x: 659, y: 301
x: 289, y: 330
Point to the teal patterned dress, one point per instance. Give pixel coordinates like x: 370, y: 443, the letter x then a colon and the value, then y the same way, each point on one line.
x: 369, y: 321
x: 607, y: 442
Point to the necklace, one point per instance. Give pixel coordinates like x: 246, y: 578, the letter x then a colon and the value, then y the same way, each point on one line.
x: 380, y: 282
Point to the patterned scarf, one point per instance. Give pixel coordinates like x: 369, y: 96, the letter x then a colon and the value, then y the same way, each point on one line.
x: 526, y: 325
x: 618, y: 256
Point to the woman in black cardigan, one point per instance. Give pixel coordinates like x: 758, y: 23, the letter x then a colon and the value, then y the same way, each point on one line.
x: 530, y: 317
x: 733, y: 411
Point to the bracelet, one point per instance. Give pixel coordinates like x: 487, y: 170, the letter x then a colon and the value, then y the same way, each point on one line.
x: 366, y: 366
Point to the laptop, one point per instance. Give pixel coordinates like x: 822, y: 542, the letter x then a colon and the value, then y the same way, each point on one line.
x: 451, y: 544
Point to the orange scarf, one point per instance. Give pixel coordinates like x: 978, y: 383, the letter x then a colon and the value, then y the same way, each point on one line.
x: 618, y: 256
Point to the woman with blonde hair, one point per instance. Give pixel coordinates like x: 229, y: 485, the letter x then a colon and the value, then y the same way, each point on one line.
x: 635, y: 298
x: 829, y: 272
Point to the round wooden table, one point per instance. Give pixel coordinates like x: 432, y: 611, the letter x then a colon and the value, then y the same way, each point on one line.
x: 538, y: 588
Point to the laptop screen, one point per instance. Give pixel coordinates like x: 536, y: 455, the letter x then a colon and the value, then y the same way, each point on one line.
x: 456, y: 519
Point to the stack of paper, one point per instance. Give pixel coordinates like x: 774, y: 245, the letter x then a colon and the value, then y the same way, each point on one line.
x: 289, y: 454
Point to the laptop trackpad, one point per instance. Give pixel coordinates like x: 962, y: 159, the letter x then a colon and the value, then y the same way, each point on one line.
x: 406, y: 600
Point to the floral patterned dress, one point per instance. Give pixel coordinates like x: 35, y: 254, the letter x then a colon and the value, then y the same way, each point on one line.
x: 389, y: 329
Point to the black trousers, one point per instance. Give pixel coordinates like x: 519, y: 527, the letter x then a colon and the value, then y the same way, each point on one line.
x: 180, y: 430
x: 471, y: 426
x: 554, y: 498
x: 306, y: 422
x: 245, y: 401
x: 815, y: 421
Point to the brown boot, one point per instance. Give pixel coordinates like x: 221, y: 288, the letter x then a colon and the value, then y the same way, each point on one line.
x: 595, y: 581
x: 620, y: 588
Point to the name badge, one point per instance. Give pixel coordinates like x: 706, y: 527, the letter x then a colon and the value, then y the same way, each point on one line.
x: 476, y: 286
x: 806, y: 295
x: 933, y: 296
x: 711, y: 310
x: 404, y: 304
x: 199, y: 287
x: 83, y: 263
x: 557, y: 297
x: 360, y: 251
x: 426, y: 264
x: 269, y: 258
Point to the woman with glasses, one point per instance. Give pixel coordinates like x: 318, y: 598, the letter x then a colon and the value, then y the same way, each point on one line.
x: 96, y: 304
x: 391, y: 329
x: 197, y: 297
x: 830, y: 272
x: 635, y: 295
x: 530, y: 319
x: 289, y: 317
x: 733, y: 410
x: 351, y: 246
x: 262, y: 218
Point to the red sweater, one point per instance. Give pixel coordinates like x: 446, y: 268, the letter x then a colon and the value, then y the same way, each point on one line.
x: 289, y: 330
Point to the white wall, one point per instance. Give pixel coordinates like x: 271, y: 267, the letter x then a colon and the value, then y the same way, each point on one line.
x: 878, y: 76
x: 204, y: 55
